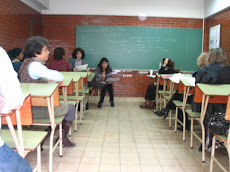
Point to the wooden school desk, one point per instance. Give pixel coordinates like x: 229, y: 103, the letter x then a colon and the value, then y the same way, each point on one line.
x: 27, y: 142
x: 186, y: 88
x: 206, y: 93
x: 46, y: 95
x: 77, y: 80
x: 67, y: 87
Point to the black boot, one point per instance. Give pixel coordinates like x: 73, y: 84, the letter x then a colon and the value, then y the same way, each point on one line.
x: 99, y: 104
x: 65, y: 140
x: 164, y: 112
x: 112, y: 103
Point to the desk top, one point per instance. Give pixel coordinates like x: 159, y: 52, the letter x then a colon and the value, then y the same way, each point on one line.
x: 215, y: 90
x: 66, y: 81
x: 81, y: 74
x: 39, y: 89
x: 187, y: 83
x: 74, y: 75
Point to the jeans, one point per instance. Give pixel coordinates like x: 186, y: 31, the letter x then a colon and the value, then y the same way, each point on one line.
x: 11, y: 161
x: 70, y: 116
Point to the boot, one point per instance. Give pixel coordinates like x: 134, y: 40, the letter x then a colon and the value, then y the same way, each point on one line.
x: 112, y: 103
x: 152, y: 105
x: 164, y: 112
x: 49, y: 132
x: 65, y: 140
x: 99, y: 104
x: 145, y: 105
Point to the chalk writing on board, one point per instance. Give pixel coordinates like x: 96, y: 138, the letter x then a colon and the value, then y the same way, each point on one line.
x: 129, y: 47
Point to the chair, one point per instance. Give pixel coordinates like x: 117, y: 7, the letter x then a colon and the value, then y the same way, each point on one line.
x: 160, y: 93
x: 27, y: 141
x: 185, y: 90
x: 222, y: 138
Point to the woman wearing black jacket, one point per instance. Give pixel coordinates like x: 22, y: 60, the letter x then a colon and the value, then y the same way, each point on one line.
x: 216, y: 72
x: 167, y: 68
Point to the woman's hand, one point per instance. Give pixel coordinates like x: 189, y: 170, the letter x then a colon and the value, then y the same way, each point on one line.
x: 74, y: 69
x: 166, y: 62
x: 103, y: 74
x: 87, y: 70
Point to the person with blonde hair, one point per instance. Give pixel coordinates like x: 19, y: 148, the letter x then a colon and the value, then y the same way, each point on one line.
x: 201, y: 61
x: 217, y: 71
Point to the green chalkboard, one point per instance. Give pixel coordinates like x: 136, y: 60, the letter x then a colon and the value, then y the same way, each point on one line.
x: 128, y: 47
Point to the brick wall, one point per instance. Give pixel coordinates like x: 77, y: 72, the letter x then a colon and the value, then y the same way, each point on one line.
x: 222, y: 18
x: 60, y: 30
x: 15, y: 23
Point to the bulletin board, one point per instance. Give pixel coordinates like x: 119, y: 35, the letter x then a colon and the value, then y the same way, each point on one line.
x: 214, y: 37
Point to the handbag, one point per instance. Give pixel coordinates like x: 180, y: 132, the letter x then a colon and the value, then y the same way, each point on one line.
x: 218, y: 124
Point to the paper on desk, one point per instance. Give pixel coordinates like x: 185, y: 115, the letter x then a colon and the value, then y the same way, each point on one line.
x: 191, y: 80
x: 112, y: 79
x: 81, y: 67
x: 177, y: 77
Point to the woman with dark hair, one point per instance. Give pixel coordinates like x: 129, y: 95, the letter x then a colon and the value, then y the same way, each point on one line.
x: 102, y: 73
x: 77, y: 59
x: 33, y: 70
x: 166, y: 68
x: 58, y: 63
x: 17, y: 56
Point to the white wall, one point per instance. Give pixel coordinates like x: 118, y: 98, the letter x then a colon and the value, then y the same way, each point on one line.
x: 160, y: 8
x: 214, y: 6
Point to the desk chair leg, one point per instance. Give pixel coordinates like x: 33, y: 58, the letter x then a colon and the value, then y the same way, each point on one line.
x: 213, y: 152
x: 176, y: 116
x: 184, y: 125
x: 81, y: 111
x: 39, y: 158
x: 61, y: 137
x: 203, y: 142
x: 170, y: 119
x: 51, y: 150
x: 76, y: 116
x: 156, y: 99
x: 191, y: 140
x: 160, y: 102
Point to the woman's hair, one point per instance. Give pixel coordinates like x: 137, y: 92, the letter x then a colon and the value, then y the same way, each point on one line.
x: 100, y: 64
x: 16, y: 52
x: 74, y: 54
x: 59, y: 53
x: 34, y: 46
x: 170, y: 63
x: 202, y: 59
x: 217, y: 55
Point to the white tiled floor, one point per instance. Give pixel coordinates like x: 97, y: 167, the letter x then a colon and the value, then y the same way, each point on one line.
x: 126, y: 138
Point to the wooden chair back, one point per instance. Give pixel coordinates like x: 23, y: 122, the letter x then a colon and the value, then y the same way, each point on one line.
x: 25, y: 113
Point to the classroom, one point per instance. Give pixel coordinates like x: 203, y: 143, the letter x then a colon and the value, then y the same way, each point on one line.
x: 119, y: 133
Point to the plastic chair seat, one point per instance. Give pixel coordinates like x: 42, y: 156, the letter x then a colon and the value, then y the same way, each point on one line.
x: 31, y: 139
x: 192, y: 114
x: 57, y: 120
x: 180, y: 104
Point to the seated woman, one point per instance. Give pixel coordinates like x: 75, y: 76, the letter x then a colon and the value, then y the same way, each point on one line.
x: 216, y: 72
x: 166, y: 68
x: 17, y: 58
x: 102, y: 73
x: 201, y: 61
x: 58, y: 63
x: 77, y: 59
x: 33, y: 70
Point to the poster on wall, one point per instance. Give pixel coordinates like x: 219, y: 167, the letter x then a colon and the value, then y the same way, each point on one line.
x: 214, y: 37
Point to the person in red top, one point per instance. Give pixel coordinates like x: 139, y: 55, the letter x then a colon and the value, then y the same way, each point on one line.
x: 59, y: 64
